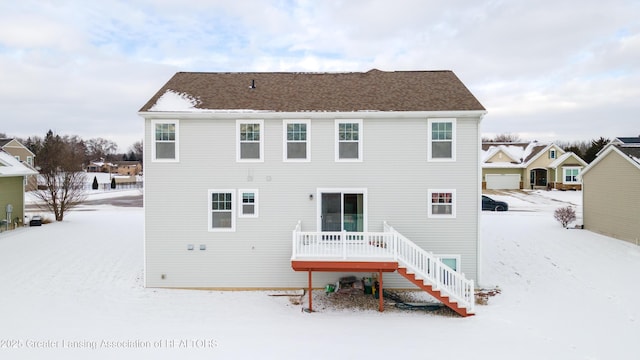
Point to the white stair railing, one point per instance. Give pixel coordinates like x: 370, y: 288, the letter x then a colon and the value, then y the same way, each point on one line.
x: 386, y: 245
x: 430, y: 269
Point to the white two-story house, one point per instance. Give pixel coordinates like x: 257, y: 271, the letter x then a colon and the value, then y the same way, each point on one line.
x: 284, y: 180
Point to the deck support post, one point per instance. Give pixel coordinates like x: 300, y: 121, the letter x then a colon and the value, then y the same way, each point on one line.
x: 310, y: 292
x: 380, y: 294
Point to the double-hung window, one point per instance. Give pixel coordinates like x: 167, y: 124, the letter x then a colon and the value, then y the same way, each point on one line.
x: 297, y: 140
x: 165, y: 140
x: 222, y: 210
x: 248, y: 203
x: 571, y: 175
x: 249, y: 140
x: 442, y: 203
x: 442, y: 140
x: 348, y: 140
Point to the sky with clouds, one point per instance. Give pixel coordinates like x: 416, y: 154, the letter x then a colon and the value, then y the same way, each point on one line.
x: 561, y: 70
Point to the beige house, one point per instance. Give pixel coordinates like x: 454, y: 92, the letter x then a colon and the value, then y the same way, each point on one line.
x: 15, y: 148
x: 530, y: 165
x: 129, y: 168
x: 611, y: 191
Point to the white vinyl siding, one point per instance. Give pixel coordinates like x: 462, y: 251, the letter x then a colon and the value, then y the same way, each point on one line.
x: 165, y: 140
x: 250, y: 140
x: 348, y: 145
x: 296, y: 137
x: 442, y: 140
x: 395, y: 175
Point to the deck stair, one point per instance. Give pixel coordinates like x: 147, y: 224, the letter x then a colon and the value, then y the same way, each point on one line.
x: 430, y: 274
x: 384, y: 251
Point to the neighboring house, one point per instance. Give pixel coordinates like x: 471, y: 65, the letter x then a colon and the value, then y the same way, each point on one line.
x: 611, y: 191
x: 254, y: 179
x: 529, y: 165
x: 130, y: 168
x: 12, y: 180
x: 24, y: 155
x: 100, y: 166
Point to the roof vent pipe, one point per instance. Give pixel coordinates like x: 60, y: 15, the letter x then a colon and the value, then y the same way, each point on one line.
x: 253, y: 84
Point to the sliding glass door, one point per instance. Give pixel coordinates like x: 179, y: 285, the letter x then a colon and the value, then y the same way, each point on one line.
x: 342, y: 210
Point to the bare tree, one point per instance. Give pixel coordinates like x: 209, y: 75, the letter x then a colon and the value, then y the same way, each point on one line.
x: 565, y: 215
x: 100, y: 148
x: 60, y: 165
x: 507, y: 138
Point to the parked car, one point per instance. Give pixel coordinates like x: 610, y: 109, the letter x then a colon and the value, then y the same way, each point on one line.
x: 493, y: 205
x: 35, y: 221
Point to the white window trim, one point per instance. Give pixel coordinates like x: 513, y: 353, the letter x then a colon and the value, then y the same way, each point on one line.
x: 255, y: 203
x: 457, y: 258
x: 285, y: 141
x: 233, y: 210
x: 337, y: 137
x: 430, y: 213
x: 240, y: 122
x: 552, y: 154
x: 430, y: 139
x: 176, y: 123
x: 564, y: 174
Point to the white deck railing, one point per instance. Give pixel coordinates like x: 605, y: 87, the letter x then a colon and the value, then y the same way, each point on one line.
x: 388, y: 245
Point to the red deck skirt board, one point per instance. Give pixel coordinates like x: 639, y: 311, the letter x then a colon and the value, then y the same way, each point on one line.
x: 337, y: 266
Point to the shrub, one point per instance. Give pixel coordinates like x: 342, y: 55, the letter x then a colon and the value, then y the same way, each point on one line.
x: 113, y: 183
x: 565, y: 215
x: 94, y: 186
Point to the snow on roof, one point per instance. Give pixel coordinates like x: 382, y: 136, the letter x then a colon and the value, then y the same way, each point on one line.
x: 518, y: 152
x: 175, y: 101
x: 10, y: 166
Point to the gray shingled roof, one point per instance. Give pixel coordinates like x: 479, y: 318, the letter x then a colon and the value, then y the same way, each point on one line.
x: 632, y: 152
x: 374, y: 90
x: 630, y: 140
x: 4, y: 142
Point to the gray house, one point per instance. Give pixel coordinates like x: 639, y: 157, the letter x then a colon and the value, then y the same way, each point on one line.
x: 611, y: 191
x: 285, y: 180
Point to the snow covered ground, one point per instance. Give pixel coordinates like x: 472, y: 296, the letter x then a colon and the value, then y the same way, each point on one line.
x: 73, y: 290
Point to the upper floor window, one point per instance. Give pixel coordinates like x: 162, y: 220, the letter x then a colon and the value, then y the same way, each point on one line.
x: 552, y: 154
x: 442, y: 203
x: 571, y: 175
x: 297, y: 139
x: 250, y: 143
x: 442, y: 139
x: 222, y: 210
x: 30, y: 160
x: 348, y: 140
x: 165, y: 140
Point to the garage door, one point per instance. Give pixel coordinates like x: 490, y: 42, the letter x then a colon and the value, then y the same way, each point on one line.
x: 503, y: 181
